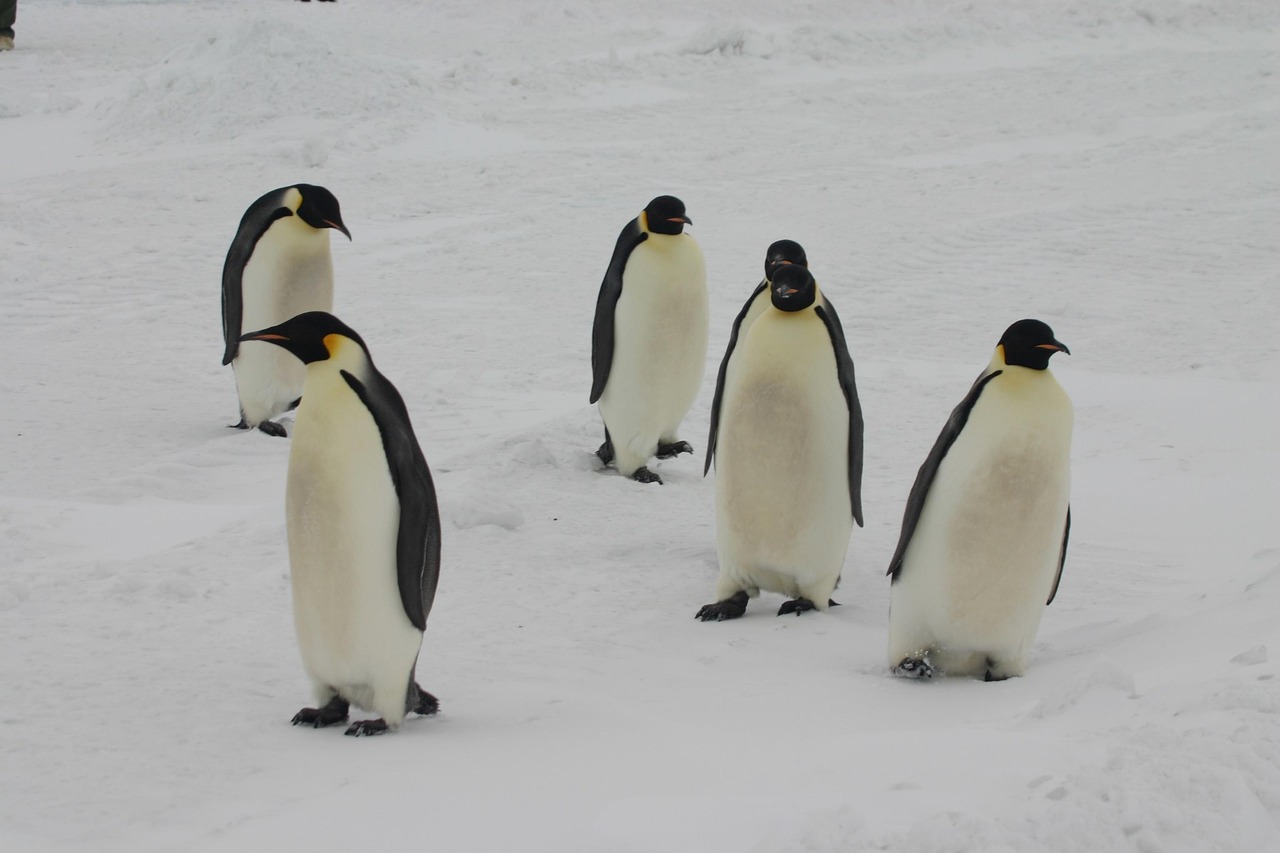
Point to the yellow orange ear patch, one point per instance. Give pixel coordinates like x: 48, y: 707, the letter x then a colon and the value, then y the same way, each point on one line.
x: 333, y: 343
x: 644, y: 220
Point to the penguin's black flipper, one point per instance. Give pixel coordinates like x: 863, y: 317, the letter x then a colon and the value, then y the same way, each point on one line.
x: 255, y: 222
x: 1062, y: 558
x: 418, y: 540
x: 724, y: 369
x: 610, y: 289
x: 731, y: 608
x: 334, y: 712
x: 924, y: 477
x: 844, y: 372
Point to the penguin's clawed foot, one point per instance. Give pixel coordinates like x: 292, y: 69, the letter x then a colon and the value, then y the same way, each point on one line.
x: 995, y: 672
x: 670, y: 451
x: 273, y: 428
x: 427, y: 705
x: 331, y: 714
x: 644, y: 475
x: 801, y: 605
x: 917, y: 668
x: 363, y: 728
x: 731, y: 608
x: 605, y: 452
x: 242, y: 425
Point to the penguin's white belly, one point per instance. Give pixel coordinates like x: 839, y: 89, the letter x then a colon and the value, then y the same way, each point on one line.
x: 343, y: 520
x: 783, y: 514
x: 980, y: 566
x: 660, y: 346
x: 284, y: 278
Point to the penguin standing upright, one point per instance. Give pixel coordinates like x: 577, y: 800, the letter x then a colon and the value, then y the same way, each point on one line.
x: 364, y: 530
x: 278, y: 266
x: 787, y: 438
x: 649, y: 340
x: 984, y: 535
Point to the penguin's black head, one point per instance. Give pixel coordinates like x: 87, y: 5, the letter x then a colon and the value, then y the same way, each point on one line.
x: 793, y: 288
x: 665, y: 215
x: 783, y: 252
x: 319, y: 208
x: 309, y: 336
x: 1030, y: 343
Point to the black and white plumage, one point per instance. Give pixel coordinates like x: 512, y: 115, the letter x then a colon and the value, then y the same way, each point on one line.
x: 649, y: 338
x: 278, y: 266
x: 364, y: 529
x: 787, y: 437
x: 984, y: 534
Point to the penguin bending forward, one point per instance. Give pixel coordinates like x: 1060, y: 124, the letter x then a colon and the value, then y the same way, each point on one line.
x: 278, y: 266
x: 787, y: 437
x: 649, y: 340
x: 364, y: 530
x: 984, y: 535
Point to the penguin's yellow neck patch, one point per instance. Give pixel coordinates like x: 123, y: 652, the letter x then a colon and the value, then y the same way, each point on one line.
x: 644, y: 221
x: 335, y: 344
x: 293, y: 199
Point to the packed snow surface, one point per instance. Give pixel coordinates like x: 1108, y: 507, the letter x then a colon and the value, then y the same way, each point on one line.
x: 1109, y: 166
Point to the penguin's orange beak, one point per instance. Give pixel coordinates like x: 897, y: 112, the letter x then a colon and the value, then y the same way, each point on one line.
x: 686, y: 220
x: 1055, y: 346
x: 254, y: 336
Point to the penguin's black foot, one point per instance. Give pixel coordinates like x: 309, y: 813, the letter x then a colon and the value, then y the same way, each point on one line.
x: 330, y: 714
x: 242, y: 425
x: 605, y: 452
x: 295, y: 404
x: 669, y: 451
x: 731, y: 608
x: 801, y: 605
x: 367, y: 728
x: 993, y: 672
x: 644, y: 475
x: 273, y: 428
x: 917, y: 668
x: 427, y: 705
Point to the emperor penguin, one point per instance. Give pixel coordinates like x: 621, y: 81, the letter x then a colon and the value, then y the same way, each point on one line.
x: 984, y: 535
x: 787, y: 438
x: 649, y: 340
x: 364, y: 530
x: 278, y: 266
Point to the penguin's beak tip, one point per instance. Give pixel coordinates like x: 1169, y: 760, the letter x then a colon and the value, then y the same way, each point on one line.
x: 339, y: 227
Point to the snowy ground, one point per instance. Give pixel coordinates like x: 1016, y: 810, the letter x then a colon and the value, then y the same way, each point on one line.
x: 1109, y: 166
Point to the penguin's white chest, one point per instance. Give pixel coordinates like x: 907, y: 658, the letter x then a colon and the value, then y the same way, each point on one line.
x: 343, y: 521
x: 782, y: 484
x: 980, y: 566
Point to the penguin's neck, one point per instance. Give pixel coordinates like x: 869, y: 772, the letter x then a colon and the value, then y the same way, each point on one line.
x: 1017, y: 378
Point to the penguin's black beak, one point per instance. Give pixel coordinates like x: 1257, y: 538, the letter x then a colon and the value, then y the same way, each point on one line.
x: 338, y: 226
x: 686, y: 220
x: 1056, y: 346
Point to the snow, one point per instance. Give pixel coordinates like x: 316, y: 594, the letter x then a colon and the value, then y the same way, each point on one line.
x: 1109, y: 166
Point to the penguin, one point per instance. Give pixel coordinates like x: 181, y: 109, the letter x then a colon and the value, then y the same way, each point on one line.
x: 984, y: 535
x: 780, y: 252
x: 787, y: 437
x: 278, y: 266
x: 363, y: 529
x: 649, y: 339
